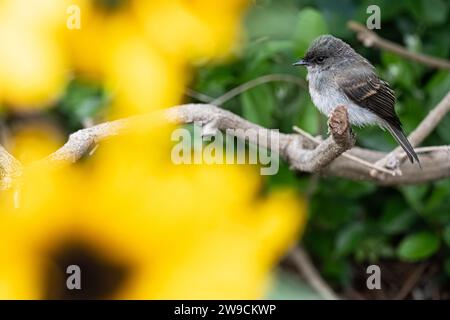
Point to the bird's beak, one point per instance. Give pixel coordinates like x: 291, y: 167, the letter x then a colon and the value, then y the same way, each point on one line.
x: 301, y: 62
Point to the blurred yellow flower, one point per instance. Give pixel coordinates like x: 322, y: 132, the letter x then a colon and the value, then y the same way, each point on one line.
x: 31, y: 134
x: 140, y: 227
x: 33, y: 61
x: 141, y: 50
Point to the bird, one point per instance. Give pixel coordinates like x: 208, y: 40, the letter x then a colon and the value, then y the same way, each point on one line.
x: 338, y: 75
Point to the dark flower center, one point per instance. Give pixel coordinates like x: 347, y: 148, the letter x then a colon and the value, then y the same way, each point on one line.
x: 99, y: 276
x: 110, y: 6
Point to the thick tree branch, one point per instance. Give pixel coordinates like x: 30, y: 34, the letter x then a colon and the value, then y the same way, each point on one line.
x: 435, y: 166
x: 82, y: 141
x: 299, y: 152
x: 341, y: 139
x: 290, y: 146
x: 370, y: 38
x: 345, y: 154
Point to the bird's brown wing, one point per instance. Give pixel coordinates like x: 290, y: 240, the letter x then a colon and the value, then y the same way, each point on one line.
x: 370, y: 92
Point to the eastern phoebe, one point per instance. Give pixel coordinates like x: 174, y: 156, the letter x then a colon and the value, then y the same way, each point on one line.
x: 337, y: 75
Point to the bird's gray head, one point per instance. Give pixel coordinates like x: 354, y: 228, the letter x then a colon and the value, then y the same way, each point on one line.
x: 326, y: 51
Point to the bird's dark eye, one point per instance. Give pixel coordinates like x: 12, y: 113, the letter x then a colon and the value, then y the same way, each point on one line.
x: 320, y: 59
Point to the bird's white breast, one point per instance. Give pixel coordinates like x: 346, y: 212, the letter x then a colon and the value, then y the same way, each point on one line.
x: 326, y: 97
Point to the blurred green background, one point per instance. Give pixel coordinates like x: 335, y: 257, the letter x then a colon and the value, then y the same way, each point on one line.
x: 351, y: 224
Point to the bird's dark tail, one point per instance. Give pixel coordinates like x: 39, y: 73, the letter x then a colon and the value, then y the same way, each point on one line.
x: 398, y: 134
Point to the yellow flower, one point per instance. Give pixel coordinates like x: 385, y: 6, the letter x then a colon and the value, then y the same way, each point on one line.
x: 140, y: 227
x: 31, y: 134
x: 198, y: 29
x: 142, y: 48
x: 33, y: 62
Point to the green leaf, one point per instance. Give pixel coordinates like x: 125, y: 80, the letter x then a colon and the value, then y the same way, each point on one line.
x: 264, y: 50
x: 337, y: 14
x: 333, y: 212
x: 258, y: 105
x: 418, y: 246
x: 389, y: 9
x: 337, y: 270
x: 399, y: 71
x: 309, y: 118
x: 430, y: 12
x: 446, y: 235
x: 396, y: 217
x: 274, y: 20
x: 354, y: 189
x: 214, y: 81
x: 310, y: 25
x: 349, y: 238
x: 437, y: 87
x: 319, y: 243
x: 82, y: 100
x: 437, y: 207
x: 444, y: 128
x: 414, y: 195
x: 373, y: 247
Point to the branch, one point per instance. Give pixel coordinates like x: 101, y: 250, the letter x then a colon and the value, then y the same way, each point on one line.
x: 10, y: 168
x: 256, y: 82
x: 289, y: 146
x: 370, y: 38
x: 198, y: 96
x: 411, y: 282
x: 304, y: 264
x: 430, y: 122
x: 82, y: 141
x: 435, y: 166
x: 396, y: 157
x: 299, y: 152
x: 213, y: 118
x: 345, y: 154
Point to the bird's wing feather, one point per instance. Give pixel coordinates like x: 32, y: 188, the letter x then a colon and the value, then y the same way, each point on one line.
x: 370, y: 92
